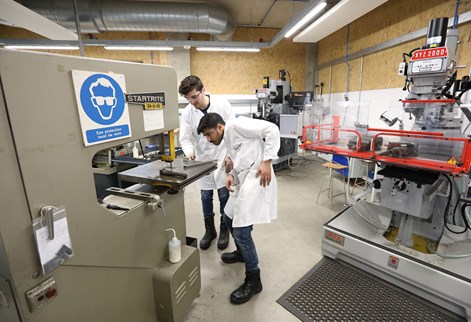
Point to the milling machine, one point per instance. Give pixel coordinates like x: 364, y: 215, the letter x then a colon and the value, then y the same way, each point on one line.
x: 279, y: 105
x: 418, y: 235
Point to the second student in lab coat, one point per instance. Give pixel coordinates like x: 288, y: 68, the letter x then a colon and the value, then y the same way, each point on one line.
x: 251, y: 146
x: 196, y: 147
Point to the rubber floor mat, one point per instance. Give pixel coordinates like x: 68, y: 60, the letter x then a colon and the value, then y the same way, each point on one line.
x: 337, y: 291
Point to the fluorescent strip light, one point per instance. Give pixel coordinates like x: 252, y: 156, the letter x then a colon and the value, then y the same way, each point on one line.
x: 167, y: 48
x: 343, y: 13
x: 239, y: 49
x: 314, y: 11
x: 325, y: 16
x: 44, y: 47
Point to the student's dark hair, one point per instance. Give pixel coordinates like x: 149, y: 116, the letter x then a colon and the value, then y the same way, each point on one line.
x: 189, y: 83
x: 210, y: 121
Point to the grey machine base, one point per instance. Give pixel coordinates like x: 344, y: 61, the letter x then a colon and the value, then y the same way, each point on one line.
x: 336, y: 291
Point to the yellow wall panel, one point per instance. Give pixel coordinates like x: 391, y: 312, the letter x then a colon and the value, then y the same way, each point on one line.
x: 242, y: 73
x: 389, y: 21
x: 324, y: 77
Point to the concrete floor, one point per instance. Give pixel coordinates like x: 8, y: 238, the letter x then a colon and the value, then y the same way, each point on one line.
x: 287, y: 248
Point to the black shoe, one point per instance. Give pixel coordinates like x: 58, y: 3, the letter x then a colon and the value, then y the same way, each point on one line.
x: 234, y: 257
x: 223, y: 240
x: 251, y: 286
x: 210, y: 233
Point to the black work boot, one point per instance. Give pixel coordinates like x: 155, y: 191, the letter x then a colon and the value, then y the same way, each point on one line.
x: 210, y: 233
x: 223, y: 240
x: 251, y: 286
x: 234, y: 257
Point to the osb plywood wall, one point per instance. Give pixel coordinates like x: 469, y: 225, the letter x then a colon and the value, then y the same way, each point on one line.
x: 391, y: 20
x: 222, y: 72
x: 242, y: 73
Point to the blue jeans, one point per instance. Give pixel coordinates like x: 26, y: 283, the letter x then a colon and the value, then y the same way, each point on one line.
x: 207, y: 201
x: 243, y: 239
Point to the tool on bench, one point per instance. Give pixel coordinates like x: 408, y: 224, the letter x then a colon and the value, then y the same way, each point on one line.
x: 197, y: 164
x: 171, y: 173
x: 115, y: 207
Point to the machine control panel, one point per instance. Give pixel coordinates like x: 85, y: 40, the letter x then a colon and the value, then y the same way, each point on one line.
x: 402, y: 70
x: 40, y: 295
x: 263, y: 93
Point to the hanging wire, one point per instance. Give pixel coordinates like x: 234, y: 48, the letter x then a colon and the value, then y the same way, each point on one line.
x: 347, y: 62
x: 455, y: 20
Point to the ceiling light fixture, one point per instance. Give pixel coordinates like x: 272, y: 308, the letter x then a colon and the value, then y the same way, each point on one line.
x: 314, y: 11
x: 43, y: 47
x: 239, y: 49
x: 166, y: 48
x: 343, y: 13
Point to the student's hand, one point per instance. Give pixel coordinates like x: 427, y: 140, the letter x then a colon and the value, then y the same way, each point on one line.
x: 228, y: 165
x: 264, y: 171
x: 191, y: 156
x: 230, y: 181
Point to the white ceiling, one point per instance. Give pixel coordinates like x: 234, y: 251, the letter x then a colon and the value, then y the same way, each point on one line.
x: 14, y: 14
x: 261, y: 13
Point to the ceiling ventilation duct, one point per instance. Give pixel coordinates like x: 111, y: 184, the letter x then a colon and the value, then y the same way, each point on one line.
x: 108, y: 15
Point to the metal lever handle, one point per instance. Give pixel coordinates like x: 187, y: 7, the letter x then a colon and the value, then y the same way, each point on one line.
x: 48, y: 211
x: 156, y: 203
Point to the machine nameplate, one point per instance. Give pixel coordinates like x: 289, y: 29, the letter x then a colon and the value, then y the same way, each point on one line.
x: 428, y: 65
x: 430, y: 53
x: 393, y: 262
x: 151, y: 101
x: 153, y: 106
x: 336, y: 238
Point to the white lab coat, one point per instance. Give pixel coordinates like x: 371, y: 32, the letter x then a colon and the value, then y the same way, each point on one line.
x: 251, y: 203
x: 194, y: 143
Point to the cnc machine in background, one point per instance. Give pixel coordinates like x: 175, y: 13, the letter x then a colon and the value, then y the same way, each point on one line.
x: 279, y: 105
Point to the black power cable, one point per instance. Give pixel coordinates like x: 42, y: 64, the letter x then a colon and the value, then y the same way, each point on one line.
x: 463, y: 214
x: 445, y: 215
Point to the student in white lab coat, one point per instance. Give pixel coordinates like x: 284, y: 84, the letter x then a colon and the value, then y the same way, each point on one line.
x: 196, y: 147
x: 251, y: 145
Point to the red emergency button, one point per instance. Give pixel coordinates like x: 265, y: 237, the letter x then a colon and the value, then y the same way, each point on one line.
x: 51, y: 293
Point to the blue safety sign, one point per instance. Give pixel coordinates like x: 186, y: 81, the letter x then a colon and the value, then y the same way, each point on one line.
x: 102, y: 106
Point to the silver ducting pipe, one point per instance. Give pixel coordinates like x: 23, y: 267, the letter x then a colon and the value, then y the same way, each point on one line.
x: 108, y: 15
